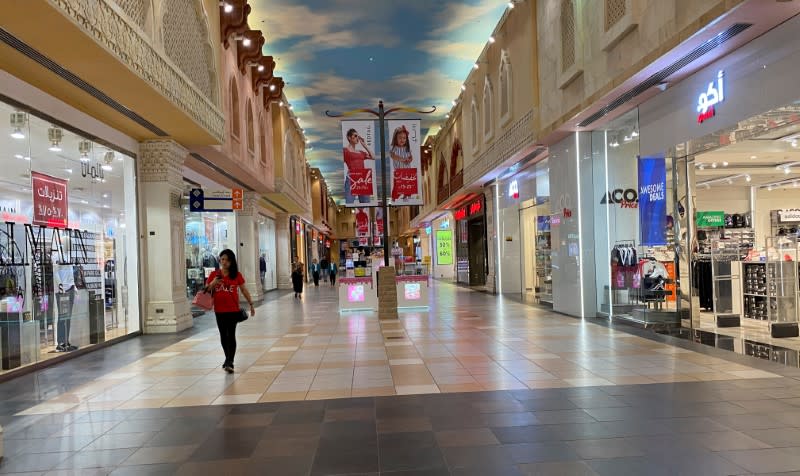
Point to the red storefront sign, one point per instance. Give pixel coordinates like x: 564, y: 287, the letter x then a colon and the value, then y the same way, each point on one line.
x: 360, y: 182
x: 50, y: 201
x: 474, y: 208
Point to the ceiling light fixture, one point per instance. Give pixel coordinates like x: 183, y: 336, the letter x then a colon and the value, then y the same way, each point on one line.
x: 85, y: 148
x: 748, y: 178
x: 17, y: 123
x: 511, y: 5
x: 226, y: 7
x: 280, y: 104
x: 753, y: 157
x: 463, y: 87
x: 492, y: 39
x: 54, y: 135
x: 260, y: 68
x: 725, y: 163
x: 701, y: 166
x: 455, y: 102
x: 108, y: 158
x: 246, y: 42
x: 713, y: 165
x: 635, y: 133
x: 272, y: 87
x: 475, y: 66
x: 729, y: 181
x: 787, y: 170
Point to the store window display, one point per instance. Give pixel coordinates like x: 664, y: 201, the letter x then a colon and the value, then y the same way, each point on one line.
x: 68, y: 248
x: 207, y: 234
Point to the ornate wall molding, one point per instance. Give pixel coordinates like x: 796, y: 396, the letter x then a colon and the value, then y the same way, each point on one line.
x: 101, y: 21
x: 161, y: 161
x: 515, y: 138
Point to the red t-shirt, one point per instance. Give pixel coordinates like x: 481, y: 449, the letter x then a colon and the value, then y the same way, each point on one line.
x: 354, y: 160
x: 226, y: 294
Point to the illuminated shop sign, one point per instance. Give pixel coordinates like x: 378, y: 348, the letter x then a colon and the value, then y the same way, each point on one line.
x: 473, y: 208
x: 707, y: 101
x: 513, y: 190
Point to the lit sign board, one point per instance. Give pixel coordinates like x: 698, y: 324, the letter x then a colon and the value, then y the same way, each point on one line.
x: 713, y: 95
x: 513, y: 189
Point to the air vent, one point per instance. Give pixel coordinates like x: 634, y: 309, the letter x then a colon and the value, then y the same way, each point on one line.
x: 56, y: 68
x: 665, y: 73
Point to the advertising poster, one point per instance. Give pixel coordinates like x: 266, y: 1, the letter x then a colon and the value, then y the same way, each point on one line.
x: 404, y: 154
x: 377, y: 235
x: 362, y: 225
x: 653, y: 201
x: 50, y: 201
x: 444, y: 247
x: 358, y: 152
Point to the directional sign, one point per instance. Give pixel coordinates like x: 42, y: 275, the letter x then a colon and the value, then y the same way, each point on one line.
x: 216, y: 201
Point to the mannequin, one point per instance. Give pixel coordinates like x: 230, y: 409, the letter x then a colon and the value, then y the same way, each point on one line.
x: 64, y: 280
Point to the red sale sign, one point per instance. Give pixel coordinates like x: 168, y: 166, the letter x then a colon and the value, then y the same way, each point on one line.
x: 405, y: 183
x: 50, y: 201
x: 360, y: 182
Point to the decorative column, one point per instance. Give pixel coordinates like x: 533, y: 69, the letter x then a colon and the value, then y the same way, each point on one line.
x: 283, y: 253
x: 493, y: 276
x: 247, y: 255
x: 164, y: 230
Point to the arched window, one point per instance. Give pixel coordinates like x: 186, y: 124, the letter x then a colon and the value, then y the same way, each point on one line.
x: 235, y: 127
x: 473, y: 119
x: 487, y: 109
x: 251, y: 130
x: 262, y: 142
x: 505, y: 87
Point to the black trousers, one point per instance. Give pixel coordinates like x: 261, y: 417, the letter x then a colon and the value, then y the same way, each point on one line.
x: 333, y: 278
x: 65, y: 315
x: 315, y: 274
x: 226, y: 322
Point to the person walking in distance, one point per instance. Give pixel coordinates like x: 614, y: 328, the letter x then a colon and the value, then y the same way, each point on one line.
x: 225, y: 284
x: 315, y: 270
x: 297, y: 280
x: 333, y: 271
x: 324, y: 264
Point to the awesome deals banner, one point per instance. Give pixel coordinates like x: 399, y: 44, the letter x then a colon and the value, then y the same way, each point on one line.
x: 653, y: 201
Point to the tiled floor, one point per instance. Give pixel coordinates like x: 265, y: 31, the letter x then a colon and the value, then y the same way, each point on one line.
x: 304, y: 351
x: 502, y: 388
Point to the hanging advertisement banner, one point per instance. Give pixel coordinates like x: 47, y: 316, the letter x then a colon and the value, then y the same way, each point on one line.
x: 50, y: 201
x: 358, y: 152
x: 404, y: 154
x: 377, y: 234
x: 444, y: 247
x: 362, y: 223
x: 653, y: 201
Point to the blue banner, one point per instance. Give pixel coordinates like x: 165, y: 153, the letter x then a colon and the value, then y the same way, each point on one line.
x: 653, y: 201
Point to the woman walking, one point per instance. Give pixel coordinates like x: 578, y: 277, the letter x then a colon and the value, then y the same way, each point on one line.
x: 315, y: 270
x: 333, y: 271
x: 297, y: 280
x: 224, y: 284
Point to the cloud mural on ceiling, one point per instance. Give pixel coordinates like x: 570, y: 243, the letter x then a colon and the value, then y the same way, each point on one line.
x: 341, y: 55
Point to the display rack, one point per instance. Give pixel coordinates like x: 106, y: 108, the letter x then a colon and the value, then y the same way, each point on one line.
x: 725, y: 280
x: 544, y: 264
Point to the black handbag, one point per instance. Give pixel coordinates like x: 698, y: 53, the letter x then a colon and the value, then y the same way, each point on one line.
x: 242, y: 316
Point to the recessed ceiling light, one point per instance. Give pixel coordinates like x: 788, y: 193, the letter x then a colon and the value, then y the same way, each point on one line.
x: 475, y: 66
x: 713, y: 165
x: 227, y: 7
x: 752, y: 157
x: 511, y: 5
x: 260, y: 68
x: 19, y: 156
x: 725, y: 164
x: 246, y: 42
x: 463, y: 87
x: 787, y: 170
x: 492, y: 39
x: 747, y: 178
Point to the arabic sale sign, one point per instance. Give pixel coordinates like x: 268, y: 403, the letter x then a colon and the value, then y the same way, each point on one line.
x: 50, y: 201
x: 358, y: 152
x: 405, y: 158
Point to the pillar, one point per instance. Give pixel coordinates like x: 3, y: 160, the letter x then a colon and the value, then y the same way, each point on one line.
x: 283, y: 253
x: 164, y: 230
x: 247, y: 255
x: 493, y: 277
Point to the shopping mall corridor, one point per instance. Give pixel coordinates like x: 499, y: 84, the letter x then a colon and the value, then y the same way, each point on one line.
x: 477, y: 385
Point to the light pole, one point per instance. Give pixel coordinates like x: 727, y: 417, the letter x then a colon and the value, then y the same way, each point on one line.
x: 381, y: 114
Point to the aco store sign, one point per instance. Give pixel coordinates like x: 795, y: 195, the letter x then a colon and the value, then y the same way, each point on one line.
x: 708, y: 100
x: 474, y: 208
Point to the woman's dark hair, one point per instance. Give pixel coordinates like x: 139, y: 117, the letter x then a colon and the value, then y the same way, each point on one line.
x: 233, y: 269
x: 351, y: 132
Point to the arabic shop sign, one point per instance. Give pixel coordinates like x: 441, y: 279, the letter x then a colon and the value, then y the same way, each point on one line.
x: 513, y: 189
x: 50, y: 202
x: 708, y: 100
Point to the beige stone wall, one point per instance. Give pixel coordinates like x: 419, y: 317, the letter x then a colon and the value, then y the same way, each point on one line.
x: 606, y: 58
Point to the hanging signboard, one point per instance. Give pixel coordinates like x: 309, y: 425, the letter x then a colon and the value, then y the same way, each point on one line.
x: 358, y: 152
x: 789, y: 215
x: 404, y: 155
x: 50, y: 201
x: 709, y: 219
x: 216, y: 200
x: 444, y: 247
x: 653, y: 201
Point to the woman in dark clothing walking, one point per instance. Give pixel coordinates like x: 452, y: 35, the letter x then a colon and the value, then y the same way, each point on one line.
x: 225, y: 284
x: 297, y: 280
x: 333, y: 271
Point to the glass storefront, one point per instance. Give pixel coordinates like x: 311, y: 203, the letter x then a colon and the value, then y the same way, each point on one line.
x: 207, y: 234
x: 68, y: 242
x: 267, y: 260
x: 524, y: 220
x: 471, y: 243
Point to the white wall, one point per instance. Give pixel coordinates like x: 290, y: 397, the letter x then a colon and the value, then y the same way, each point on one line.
x: 510, y: 250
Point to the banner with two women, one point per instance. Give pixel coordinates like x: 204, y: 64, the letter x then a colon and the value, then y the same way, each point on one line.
x: 362, y: 166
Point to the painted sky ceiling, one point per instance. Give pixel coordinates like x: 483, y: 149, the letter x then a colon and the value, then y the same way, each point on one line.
x: 341, y: 55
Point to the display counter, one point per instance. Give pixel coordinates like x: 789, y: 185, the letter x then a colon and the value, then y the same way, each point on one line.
x: 413, y: 291
x: 357, y: 294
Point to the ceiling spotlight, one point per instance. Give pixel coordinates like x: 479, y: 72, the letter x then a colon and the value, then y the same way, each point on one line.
x: 246, y: 42
x: 463, y: 87
x: 447, y: 115
x: 454, y: 102
x: 226, y: 7
x: 19, y: 156
x: 511, y: 5
x: 272, y: 87
x: 729, y: 181
x: 291, y: 107
x: 17, y: 123
x: 787, y: 170
x: 753, y: 157
x: 475, y: 66
x: 635, y: 133
x: 713, y: 165
x: 85, y: 148
x: 260, y: 68
x: 795, y: 184
x: 701, y: 166
x: 280, y: 104
x: 747, y: 178
x: 492, y: 39
x: 769, y: 189
x: 794, y: 143
x: 54, y: 135
x: 725, y: 163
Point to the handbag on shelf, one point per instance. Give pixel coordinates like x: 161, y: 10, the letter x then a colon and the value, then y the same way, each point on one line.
x: 242, y: 316
x: 203, y: 300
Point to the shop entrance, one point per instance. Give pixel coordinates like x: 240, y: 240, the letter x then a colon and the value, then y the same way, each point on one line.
x: 536, y: 261
x: 477, y: 251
